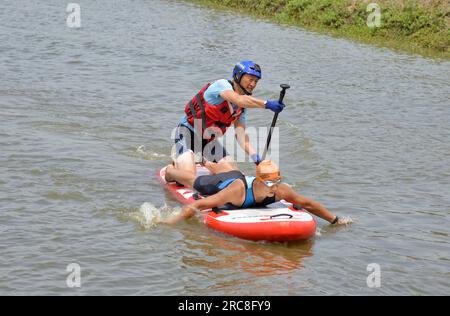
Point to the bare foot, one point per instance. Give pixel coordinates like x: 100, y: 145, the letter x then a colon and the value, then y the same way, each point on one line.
x: 220, y: 167
x: 210, y: 166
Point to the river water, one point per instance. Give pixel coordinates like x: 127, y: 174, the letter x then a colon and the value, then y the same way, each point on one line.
x: 86, y: 119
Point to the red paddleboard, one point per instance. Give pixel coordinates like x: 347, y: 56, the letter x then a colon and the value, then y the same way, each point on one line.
x: 276, y: 222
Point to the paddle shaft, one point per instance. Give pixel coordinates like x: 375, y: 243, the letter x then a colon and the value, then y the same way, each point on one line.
x: 284, y: 87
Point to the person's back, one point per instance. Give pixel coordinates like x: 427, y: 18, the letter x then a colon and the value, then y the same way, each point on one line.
x: 208, y: 185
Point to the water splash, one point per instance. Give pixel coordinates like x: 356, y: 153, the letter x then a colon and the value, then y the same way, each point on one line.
x: 149, y: 215
x: 318, y: 232
x: 141, y: 150
x: 148, y: 155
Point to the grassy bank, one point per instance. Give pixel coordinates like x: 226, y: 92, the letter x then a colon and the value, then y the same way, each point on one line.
x: 415, y: 26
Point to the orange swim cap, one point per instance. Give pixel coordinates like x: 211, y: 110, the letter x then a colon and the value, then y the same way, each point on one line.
x: 267, y: 170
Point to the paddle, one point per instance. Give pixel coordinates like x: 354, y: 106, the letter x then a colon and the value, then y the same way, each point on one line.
x: 284, y: 87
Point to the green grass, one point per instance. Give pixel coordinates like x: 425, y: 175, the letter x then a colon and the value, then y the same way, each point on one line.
x: 414, y: 26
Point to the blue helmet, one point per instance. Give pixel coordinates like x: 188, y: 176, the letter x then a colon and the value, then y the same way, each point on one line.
x: 246, y: 67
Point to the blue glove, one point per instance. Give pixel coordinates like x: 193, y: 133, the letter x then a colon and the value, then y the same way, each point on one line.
x: 274, y: 105
x: 256, y: 158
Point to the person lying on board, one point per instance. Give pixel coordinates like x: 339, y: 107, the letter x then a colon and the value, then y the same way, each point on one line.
x: 228, y: 186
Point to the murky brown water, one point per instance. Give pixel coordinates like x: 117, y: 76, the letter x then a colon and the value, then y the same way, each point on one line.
x: 86, y: 117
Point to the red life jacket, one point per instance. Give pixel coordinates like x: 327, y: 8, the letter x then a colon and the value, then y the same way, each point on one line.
x: 211, y: 116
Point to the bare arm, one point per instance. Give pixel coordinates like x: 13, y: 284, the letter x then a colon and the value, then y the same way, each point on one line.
x: 219, y: 199
x: 287, y: 193
x: 242, y: 138
x: 243, y: 101
x: 230, y: 194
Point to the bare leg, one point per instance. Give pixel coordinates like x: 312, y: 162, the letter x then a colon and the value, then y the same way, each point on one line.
x: 184, y: 170
x: 223, y: 165
x: 229, y: 161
